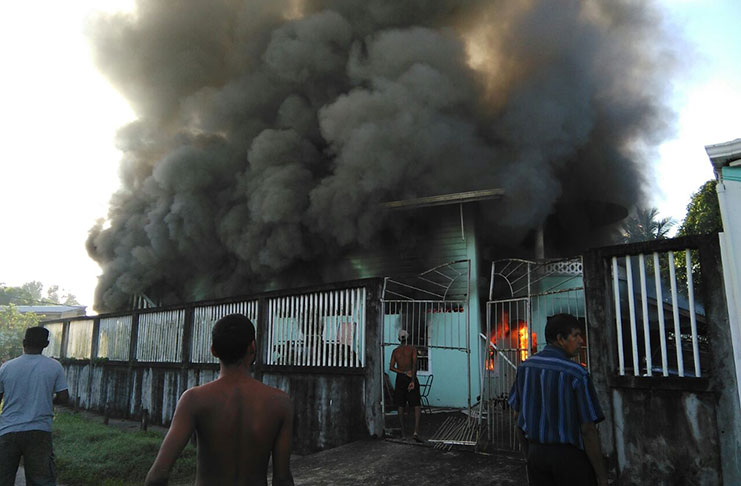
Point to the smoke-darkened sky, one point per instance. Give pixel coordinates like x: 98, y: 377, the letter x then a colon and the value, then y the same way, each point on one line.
x: 267, y: 132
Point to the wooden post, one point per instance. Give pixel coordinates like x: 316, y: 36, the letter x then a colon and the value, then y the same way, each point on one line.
x: 261, y: 344
x: 145, y: 420
x: 65, y: 338
x: 133, y: 343
x: 186, y: 347
x: 95, y: 339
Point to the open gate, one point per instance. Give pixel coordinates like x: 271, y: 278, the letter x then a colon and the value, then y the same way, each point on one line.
x: 433, y: 307
x: 522, y: 294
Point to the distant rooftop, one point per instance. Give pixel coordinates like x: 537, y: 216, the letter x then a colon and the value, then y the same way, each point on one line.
x: 53, y: 311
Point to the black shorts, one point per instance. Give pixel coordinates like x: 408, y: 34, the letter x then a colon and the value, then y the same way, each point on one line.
x: 402, y: 396
x: 554, y: 464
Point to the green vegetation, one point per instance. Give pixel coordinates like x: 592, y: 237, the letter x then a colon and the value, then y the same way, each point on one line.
x: 32, y: 293
x: 703, y: 212
x: 89, y: 453
x: 13, y: 326
x: 645, y: 225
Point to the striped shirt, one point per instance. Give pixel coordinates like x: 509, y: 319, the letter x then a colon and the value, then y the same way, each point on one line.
x: 553, y: 396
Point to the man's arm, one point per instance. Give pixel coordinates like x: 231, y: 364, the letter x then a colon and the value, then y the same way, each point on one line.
x: 524, y: 444
x: 61, y: 397
x: 282, y: 448
x: 175, y: 441
x: 393, y: 363
x: 594, y: 451
x: 414, y: 364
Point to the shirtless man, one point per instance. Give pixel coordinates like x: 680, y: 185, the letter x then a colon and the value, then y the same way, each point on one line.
x: 404, y: 364
x: 238, y: 421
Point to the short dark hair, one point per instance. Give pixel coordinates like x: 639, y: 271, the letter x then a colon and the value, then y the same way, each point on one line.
x: 36, y: 337
x: 231, y: 337
x: 560, y: 324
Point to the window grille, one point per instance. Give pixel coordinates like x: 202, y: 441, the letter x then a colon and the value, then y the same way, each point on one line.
x: 317, y: 329
x: 54, y: 349
x: 160, y: 336
x: 114, y: 338
x: 204, y: 319
x: 659, y: 323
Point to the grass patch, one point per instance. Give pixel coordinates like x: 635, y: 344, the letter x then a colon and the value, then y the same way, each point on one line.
x: 89, y: 453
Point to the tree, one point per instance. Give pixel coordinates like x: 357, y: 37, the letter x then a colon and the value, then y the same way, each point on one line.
x: 31, y: 293
x: 645, y: 225
x: 703, y: 212
x: 13, y: 326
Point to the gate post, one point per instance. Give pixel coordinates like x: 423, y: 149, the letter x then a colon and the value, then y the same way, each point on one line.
x: 601, y: 324
x: 374, y: 413
x: 723, y: 375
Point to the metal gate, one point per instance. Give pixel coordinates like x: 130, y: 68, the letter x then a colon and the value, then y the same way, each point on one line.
x: 522, y: 294
x: 433, y: 308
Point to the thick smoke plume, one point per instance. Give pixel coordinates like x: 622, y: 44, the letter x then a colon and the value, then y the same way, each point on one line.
x: 269, y: 131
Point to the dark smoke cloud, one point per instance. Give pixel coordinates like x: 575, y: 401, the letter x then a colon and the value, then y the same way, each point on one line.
x: 269, y: 131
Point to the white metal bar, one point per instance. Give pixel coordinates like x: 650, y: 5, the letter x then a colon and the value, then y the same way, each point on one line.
x: 644, y: 305
x: 693, y: 316
x: 333, y: 329
x: 632, y: 311
x: 357, y: 328
x: 324, y: 296
x: 618, y: 317
x: 287, y: 324
x: 313, y: 308
x: 660, y: 312
x: 305, y: 325
x: 675, y: 315
x: 273, y: 325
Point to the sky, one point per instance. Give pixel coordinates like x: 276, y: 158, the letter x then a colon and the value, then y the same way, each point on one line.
x: 59, y: 116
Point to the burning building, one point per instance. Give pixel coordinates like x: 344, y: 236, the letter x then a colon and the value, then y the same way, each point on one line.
x: 269, y: 134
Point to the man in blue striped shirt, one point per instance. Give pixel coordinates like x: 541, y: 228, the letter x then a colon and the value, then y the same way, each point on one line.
x: 557, y: 409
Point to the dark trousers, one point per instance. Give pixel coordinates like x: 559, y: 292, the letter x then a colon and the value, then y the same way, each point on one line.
x: 38, y: 458
x: 558, y: 465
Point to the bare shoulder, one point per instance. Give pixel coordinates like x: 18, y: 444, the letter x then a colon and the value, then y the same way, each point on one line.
x: 197, y: 394
x: 277, y: 398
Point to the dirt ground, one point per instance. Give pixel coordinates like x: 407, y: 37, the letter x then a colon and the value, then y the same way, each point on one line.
x: 392, y: 462
x: 388, y: 462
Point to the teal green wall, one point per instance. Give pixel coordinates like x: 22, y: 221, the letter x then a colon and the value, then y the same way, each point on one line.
x: 450, y: 366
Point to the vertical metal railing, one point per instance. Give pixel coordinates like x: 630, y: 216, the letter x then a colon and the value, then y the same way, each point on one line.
x: 317, y: 329
x: 653, y: 310
x: 160, y: 336
x: 114, y: 335
x: 54, y: 349
x: 79, y: 340
x: 204, y: 318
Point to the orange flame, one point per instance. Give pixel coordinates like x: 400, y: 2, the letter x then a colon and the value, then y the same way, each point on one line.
x: 524, y: 348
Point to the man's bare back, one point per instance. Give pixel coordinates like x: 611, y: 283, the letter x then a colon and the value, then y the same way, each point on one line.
x: 238, y: 425
x: 239, y: 422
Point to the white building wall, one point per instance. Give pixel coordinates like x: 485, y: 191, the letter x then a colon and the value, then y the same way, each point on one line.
x: 729, y: 196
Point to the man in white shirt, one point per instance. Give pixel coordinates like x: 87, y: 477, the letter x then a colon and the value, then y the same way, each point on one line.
x: 29, y: 385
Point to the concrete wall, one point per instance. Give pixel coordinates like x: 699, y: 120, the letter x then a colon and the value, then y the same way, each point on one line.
x: 666, y: 430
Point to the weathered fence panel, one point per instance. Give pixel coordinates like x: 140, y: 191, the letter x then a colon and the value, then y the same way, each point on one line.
x: 145, y: 360
x: 114, y: 338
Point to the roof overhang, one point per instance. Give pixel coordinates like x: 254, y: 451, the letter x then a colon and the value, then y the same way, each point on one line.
x: 724, y: 154
x: 445, y: 199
